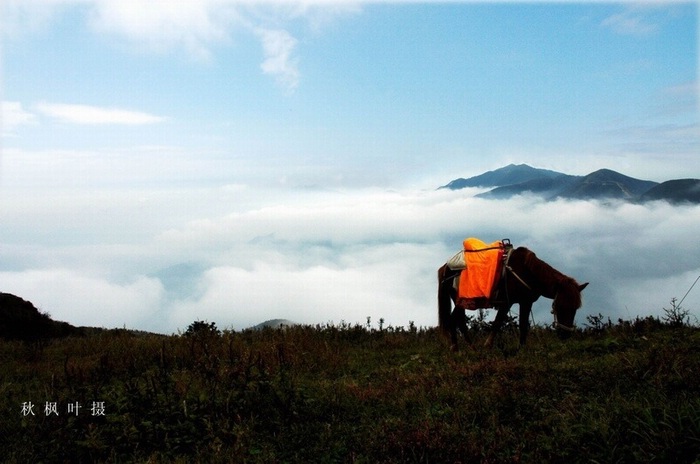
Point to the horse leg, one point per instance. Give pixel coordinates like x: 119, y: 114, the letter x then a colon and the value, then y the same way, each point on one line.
x: 524, y: 322
x: 497, y: 324
x: 455, y: 323
x: 445, y: 298
x: 461, y: 323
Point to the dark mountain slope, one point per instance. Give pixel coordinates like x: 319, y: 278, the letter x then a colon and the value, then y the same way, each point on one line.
x: 545, y: 187
x: 508, y: 175
x: 607, y: 184
x: 675, y: 191
x: 20, y: 320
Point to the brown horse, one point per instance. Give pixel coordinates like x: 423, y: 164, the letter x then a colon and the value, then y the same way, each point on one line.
x: 525, y: 278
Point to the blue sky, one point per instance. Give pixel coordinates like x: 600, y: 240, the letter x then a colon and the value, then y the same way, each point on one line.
x: 370, y: 92
x: 145, y: 147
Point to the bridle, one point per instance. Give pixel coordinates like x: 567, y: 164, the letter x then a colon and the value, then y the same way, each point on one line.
x: 556, y: 324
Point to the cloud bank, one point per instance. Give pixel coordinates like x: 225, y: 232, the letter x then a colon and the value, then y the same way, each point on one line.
x: 318, y: 257
x: 12, y: 116
x: 195, y: 27
x: 93, y: 115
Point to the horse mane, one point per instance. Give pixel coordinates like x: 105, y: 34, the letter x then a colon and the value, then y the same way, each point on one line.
x: 553, y: 281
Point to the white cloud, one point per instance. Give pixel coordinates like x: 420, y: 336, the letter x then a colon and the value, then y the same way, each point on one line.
x: 382, y: 283
x: 159, y: 25
x: 87, y: 299
x: 194, y: 25
x: 12, y: 116
x: 197, y: 26
x: 94, y: 115
x: 320, y: 257
x: 349, y: 256
x: 21, y: 16
x: 278, y: 46
x: 635, y: 20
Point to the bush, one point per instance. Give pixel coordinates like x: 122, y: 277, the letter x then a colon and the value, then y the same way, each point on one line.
x: 202, y: 328
x: 676, y: 316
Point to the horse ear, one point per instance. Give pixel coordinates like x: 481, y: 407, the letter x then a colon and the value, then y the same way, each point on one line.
x: 581, y: 287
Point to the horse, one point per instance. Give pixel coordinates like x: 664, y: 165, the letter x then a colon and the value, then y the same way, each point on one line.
x: 524, y: 279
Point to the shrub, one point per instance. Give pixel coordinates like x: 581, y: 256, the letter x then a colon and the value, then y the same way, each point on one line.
x: 676, y: 316
x: 202, y: 328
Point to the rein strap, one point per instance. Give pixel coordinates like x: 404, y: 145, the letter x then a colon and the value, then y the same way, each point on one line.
x: 556, y: 323
x: 515, y: 274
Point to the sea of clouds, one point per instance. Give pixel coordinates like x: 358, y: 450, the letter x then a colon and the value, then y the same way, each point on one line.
x: 159, y: 259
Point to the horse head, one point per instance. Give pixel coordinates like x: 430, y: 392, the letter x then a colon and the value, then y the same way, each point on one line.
x: 564, y: 307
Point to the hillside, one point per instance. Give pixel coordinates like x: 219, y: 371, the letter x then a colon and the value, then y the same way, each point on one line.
x: 603, y: 184
x: 675, y: 191
x: 624, y: 393
x: 20, y: 320
x: 606, y: 183
x: 544, y: 187
x: 508, y: 175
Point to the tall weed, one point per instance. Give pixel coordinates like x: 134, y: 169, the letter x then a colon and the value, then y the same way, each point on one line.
x: 620, y: 393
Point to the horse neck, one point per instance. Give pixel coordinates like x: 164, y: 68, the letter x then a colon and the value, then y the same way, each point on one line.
x: 547, y: 278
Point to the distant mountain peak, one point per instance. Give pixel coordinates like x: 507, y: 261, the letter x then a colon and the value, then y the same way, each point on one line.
x: 608, y: 174
x: 606, y: 183
x: 508, y: 175
x: 602, y: 184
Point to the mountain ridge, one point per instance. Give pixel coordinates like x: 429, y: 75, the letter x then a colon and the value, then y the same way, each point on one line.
x: 602, y: 184
x: 507, y: 175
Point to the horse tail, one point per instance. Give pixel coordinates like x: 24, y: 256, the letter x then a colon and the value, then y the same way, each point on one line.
x: 444, y: 299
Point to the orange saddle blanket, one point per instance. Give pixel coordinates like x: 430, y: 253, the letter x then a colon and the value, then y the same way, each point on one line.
x: 478, y: 281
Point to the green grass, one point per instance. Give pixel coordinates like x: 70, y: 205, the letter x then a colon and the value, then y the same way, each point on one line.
x: 625, y: 393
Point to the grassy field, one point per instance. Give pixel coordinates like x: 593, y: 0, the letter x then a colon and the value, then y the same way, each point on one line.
x: 628, y: 392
